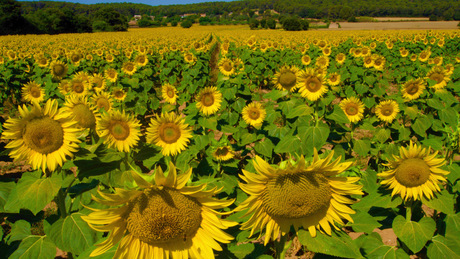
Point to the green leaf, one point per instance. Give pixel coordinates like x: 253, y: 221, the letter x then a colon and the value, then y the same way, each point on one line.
x: 37, y: 247
x: 201, y: 141
x: 361, y: 146
x: 107, y: 255
x: 382, y: 135
x: 404, y: 133
x: 443, y: 202
x: 376, y: 199
x: 363, y: 222
x: 5, y: 190
x: 414, y: 234
x: 434, y: 143
x: 208, y: 123
x: 300, y: 110
x: 265, y: 147
x: 441, y: 248
x: 94, y: 167
x: 247, y: 139
x: 338, y: 115
x: 19, y: 230
x: 412, y: 111
x: 453, y: 228
x: 454, y: 175
x: 241, y: 250
x: 374, y: 248
x: 339, y: 244
x: 72, y: 234
x: 37, y: 192
x: 228, y: 129
x: 275, y: 94
x: 287, y: 144
x: 449, y: 116
x: 421, y: 125
x: 314, y: 136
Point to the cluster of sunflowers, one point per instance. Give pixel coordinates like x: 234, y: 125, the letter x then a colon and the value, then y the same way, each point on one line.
x: 212, y: 113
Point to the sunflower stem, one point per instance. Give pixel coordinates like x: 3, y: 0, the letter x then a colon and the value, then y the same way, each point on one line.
x: 60, y: 201
x: 281, y: 247
x: 409, y: 205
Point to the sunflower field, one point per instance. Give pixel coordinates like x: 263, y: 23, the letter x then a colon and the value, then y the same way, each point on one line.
x: 218, y: 142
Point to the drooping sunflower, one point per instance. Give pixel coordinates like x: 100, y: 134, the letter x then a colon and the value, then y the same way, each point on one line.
x: 65, y: 87
x: 424, y: 55
x: 208, y: 100
x: 340, y: 58
x: 79, y: 86
x: 75, y: 58
x: 387, y: 110
x: 224, y: 153
x: 33, y: 92
x: 169, y: 132
x: 141, y: 60
x: 353, y: 108
x: 333, y: 79
x: 98, y: 82
x: 41, y: 60
x: 58, y: 69
x: 189, y: 58
x: 254, y: 114
x: 287, y: 78
x: 129, y: 68
x: 169, y: 93
x: 412, y: 89
x: 438, y: 74
x: 162, y: 219
x: 119, y: 130
x: 415, y: 173
x: 379, y: 62
x: 306, y: 60
x: 83, y: 112
x: 119, y: 94
x: 109, y: 57
x: 43, y: 136
x: 322, y: 61
x: 111, y: 74
x: 403, y: 52
x: 226, y: 66
x: 102, y: 100
x: 368, y: 62
x: 312, y: 85
x: 297, y: 195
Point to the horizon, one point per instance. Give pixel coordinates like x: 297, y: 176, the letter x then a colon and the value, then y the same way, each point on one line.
x: 147, y: 2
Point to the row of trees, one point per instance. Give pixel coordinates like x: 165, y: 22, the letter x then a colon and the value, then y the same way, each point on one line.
x: 55, y: 20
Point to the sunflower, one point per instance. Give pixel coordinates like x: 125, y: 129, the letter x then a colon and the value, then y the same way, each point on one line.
x: 287, y: 78
x: 162, y: 219
x: 169, y: 132
x: 322, y: 61
x: 368, y: 62
x: 254, y: 114
x: 102, y: 100
x: 379, y: 62
x: 84, y: 113
x: 334, y: 79
x: 118, y: 130
x: 414, y: 173
x: 365, y: 51
x: 83, y: 76
x: 436, y: 61
x: 224, y: 153
x: 424, y: 55
x: 412, y: 89
x: 65, y: 87
x: 41, y: 60
x: 209, y: 100
x: 340, y: 58
x: 226, y: 67
x: 438, y: 74
x: 189, y: 58
x: 327, y: 51
x: 79, y: 87
x: 98, y: 82
x: 312, y: 85
x: 111, y: 74
x: 413, y: 57
x: 387, y: 110
x: 141, y: 60
x: 297, y: 195
x: 353, y: 108
x: 42, y: 136
x: 129, y: 68
x: 169, y: 93
x: 306, y: 60
x: 403, y: 52
x: 109, y: 57
x: 119, y: 94
x: 58, y: 69
x: 33, y: 92
x: 75, y: 58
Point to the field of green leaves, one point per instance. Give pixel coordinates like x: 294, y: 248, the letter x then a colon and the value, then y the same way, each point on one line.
x: 230, y: 144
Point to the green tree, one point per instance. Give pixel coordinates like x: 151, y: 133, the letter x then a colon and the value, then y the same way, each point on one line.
x: 271, y: 23
x: 113, y: 18
x: 292, y: 24
x: 11, y: 20
x: 186, y: 23
x: 145, y: 21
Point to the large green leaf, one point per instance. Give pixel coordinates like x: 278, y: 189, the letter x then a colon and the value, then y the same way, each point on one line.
x: 441, y: 248
x: 19, y: 230
x: 5, y: 189
x: 299, y: 110
x: 374, y: 248
x: 338, y: 115
x: 414, y: 234
x: 37, y: 247
x: 339, y: 244
x: 72, y: 234
x: 363, y: 222
x: 37, y: 192
x: 421, y: 125
x: 377, y: 199
x: 361, y: 146
x: 314, y: 136
x: 265, y: 147
x: 208, y: 123
x: 443, y: 202
x: 287, y: 144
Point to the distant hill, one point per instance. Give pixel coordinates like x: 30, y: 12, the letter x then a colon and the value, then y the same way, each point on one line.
x: 442, y: 9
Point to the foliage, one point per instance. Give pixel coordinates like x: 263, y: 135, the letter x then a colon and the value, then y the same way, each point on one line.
x: 186, y: 23
x: 114, y: 20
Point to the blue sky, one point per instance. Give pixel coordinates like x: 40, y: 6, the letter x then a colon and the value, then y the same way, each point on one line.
x: 149, y: 2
